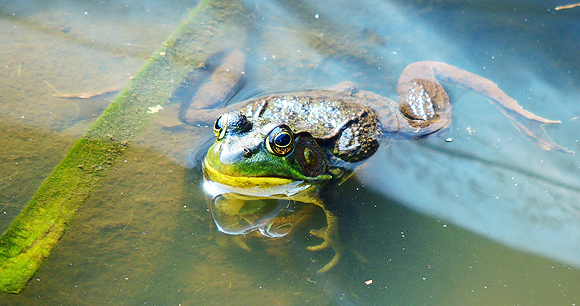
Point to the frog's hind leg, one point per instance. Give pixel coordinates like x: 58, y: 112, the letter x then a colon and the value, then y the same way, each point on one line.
x: 423, y: 103
x: 211, y: 95
x: 421, y: 73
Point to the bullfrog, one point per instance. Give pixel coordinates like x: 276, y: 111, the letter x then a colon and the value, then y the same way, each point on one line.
x: 299, y: 146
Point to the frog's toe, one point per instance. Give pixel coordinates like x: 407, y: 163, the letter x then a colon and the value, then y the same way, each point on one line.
x: 327, y: 243
x: 320, y: 247
x: 321, y: 233
x: 331, y: 264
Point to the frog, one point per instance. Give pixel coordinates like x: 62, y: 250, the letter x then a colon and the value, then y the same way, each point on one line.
x: 299, y: 146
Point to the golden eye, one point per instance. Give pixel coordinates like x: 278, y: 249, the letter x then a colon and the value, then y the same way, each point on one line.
x: 280, y: 141
x: 219, y: 127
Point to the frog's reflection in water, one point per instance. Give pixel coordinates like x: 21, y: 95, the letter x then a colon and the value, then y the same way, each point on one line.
x: 237, y: 214
x: 240, y: 214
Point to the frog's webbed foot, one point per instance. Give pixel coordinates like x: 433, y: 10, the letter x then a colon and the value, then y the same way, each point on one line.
x: 531, y: 127
x: 423, y: 101
x: 321, y: 233
x: 330, y: 237
x: 324, y: 233
x: 327, y: 234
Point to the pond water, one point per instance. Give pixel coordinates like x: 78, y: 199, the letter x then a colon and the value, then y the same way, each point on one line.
x: 485, y: 219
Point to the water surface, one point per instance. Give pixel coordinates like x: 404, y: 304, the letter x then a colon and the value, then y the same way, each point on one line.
x: 486, y: 219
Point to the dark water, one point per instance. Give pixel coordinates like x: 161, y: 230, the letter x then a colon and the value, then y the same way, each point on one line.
x: 487, y: 219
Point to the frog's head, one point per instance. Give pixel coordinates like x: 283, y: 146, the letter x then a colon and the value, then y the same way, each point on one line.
x: 252, y: 154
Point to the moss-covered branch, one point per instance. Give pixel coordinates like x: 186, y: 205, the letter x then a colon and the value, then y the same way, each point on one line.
x: 40, y: 225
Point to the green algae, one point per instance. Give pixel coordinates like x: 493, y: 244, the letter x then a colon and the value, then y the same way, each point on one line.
x: 37, y: 229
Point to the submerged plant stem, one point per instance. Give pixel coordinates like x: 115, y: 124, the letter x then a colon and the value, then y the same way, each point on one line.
x: 40, y: 225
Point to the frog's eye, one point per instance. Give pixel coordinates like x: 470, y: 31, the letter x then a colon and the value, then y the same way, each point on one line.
x: 235, y: 123
x: 219, y: 127
x: 280, y: 141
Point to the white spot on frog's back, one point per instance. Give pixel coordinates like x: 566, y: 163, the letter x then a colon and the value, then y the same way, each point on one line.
x: 306, y: 111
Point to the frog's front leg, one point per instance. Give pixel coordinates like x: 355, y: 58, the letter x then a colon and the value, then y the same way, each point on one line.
x: 331, y: 239
x: 426, y: 107
x: 329, y: 234
x: 209, y: 99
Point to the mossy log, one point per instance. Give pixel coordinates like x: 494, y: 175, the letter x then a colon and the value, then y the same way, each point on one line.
x: 40, y: 225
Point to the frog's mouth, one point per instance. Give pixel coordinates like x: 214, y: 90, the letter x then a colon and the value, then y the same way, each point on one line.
x: 244, y: 181
x: 217, y: 183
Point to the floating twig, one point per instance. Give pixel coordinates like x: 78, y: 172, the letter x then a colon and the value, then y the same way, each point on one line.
x: 47, y: 83
x: 87, y: 95
x: 569, y: 6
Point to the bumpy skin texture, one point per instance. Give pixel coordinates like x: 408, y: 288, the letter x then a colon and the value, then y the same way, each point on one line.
x: 332, y: 131
x: 348, y: 130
